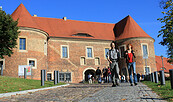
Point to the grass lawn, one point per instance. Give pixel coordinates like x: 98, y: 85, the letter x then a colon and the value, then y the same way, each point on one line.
x: 164, y: 91
x: 9, y: 84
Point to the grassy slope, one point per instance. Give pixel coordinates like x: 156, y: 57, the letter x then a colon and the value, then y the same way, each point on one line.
x: 9, y: 84
x: 164, y: 91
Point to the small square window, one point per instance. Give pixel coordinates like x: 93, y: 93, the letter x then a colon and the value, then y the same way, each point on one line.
x: 97, y: 61
x: 49, y: 76
x: 61, y: 76
x: 82, y: 61
x: 32, y: 62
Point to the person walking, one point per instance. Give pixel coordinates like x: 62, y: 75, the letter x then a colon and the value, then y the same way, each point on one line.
x: 109, y: 74
x: 113, y: 57
x: 130, y: 60
x: 98, y: 74
x: 105, y: 74
x: 90, y: 78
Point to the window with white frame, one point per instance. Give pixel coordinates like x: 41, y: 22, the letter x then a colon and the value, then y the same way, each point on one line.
x: 147, y: 70
x: 145, y: 51
x: 82, y: 61
x: 22, y: 43
x: 97, y: 61
x: 64, y: 51
x: 49, y: 76
x: 32, y: 62
x: 106, y: 51
x: 65, y: 76
x: 89, y: 51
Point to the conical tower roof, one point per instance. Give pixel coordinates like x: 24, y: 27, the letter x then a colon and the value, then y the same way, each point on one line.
x: 128, y: 28
x: 24, y: 17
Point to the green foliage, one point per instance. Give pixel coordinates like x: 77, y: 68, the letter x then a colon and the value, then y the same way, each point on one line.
x: 167, y: 30
x: 10, y: 84
x: 8, y: 34
x: 164, y: 91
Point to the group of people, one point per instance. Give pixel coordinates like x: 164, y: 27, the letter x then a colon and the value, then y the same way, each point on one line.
x: 113, y: 57
x: 111, y: 74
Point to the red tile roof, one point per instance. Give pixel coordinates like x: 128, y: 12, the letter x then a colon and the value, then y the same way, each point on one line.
x: 165, y: 63
x: 126, y: 28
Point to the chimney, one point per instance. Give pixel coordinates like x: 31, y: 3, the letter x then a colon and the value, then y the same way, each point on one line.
x: 0, y: 7
x: 64, y: 18
x: 35, y: 15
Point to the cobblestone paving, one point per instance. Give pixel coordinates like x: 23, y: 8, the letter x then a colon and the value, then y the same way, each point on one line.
x: 90, y: 93
x: 125, y: 93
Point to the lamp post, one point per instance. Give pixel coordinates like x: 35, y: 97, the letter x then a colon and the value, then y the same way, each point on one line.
x: 162, y: 62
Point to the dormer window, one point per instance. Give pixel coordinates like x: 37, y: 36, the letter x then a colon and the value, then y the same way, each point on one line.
x: 83, y: 35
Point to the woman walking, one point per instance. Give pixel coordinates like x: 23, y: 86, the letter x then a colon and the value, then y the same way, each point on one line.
x: 130, y: 60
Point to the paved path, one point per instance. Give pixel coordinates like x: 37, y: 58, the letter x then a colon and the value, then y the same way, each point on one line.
x: 90, y: 93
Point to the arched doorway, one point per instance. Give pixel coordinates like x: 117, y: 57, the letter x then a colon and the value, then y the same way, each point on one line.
x: 86, y: 73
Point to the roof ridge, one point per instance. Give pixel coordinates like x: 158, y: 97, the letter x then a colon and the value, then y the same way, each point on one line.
x: 74, y: 20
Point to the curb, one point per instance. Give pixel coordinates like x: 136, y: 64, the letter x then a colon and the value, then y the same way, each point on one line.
x: 27, y: 91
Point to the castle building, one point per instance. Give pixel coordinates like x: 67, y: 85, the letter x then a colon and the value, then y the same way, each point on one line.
x: 75, y: 48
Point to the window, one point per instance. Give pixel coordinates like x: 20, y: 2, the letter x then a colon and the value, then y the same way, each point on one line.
x: 22, y: 43
x: 97, y: 61
x: 45, y: 48
x: 61, y: 76
x: 83, y: 34
x: 32, y: 62
x: 64, y: 51
x: 147, y: 70
x: 122, y: 49
x: 145, y: 51
x: 49, y: 76
x: 89, y: 52
x: 65, y: 76
x: 106, y: 51
x: 82, y: 61
x: 68, y: 76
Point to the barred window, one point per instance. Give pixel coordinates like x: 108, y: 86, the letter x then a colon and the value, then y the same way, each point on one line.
x: 65, y: 76
x: 49, y: 76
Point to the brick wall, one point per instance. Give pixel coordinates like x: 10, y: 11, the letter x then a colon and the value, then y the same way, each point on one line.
x: 34, y: 50
x: 77, y: 49
x: 140, y: 62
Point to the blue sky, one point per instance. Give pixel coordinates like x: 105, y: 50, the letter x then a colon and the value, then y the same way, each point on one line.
x: 144, y: 12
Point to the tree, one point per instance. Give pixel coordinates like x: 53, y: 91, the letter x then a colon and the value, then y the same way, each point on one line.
x: 167, y: 30
x: 8, y: 34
